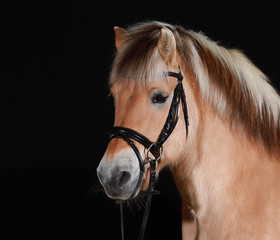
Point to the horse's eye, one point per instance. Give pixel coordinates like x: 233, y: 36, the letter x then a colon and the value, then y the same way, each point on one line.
x: 159, y: 97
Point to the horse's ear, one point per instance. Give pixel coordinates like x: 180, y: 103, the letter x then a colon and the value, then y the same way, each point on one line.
x: 167, y: 45
x: 120, y: 37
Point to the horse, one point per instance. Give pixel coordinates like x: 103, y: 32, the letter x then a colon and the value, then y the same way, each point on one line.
x: 226, y: 163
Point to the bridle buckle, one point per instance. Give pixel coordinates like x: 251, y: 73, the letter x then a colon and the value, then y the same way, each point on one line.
x: 148, y: 159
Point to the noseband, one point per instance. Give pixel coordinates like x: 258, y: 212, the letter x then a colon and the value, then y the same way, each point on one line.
x: 155, y: 148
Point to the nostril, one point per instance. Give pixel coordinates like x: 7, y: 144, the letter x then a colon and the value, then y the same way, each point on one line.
x: 124, y: 179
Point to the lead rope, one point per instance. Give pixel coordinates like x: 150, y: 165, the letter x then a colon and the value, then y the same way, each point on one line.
x: 144, y: 221
x: 145, y: 217
x: 122, y: 220
x: 150, y: 192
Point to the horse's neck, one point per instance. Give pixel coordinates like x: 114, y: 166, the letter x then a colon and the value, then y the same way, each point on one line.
x: 234, y: 186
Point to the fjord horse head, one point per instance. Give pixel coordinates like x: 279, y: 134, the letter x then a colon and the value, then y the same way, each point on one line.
x: 142, y: 101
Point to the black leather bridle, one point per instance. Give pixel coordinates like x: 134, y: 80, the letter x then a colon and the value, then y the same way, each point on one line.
x: 155, y: 148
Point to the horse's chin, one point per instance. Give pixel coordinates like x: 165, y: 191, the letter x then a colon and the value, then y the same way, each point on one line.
x: 124, y: 195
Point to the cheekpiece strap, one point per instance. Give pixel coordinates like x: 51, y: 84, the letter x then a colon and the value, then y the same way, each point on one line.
x: 174, y: 111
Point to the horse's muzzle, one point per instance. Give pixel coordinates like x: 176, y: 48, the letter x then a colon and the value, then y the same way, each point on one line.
x: 119, y: 176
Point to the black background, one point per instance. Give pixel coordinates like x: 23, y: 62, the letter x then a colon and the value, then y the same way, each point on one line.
x: 56, y: 58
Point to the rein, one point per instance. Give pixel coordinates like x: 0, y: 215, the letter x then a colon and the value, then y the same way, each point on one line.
x: 155, y: 148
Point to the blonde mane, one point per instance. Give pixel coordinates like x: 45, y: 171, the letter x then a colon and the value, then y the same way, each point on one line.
x: 226, y: 78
